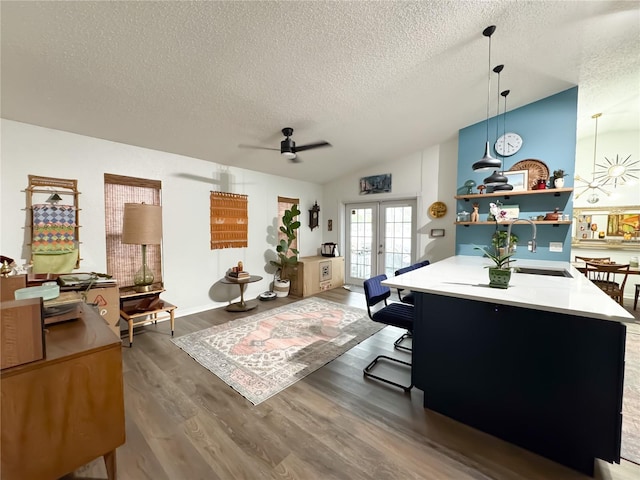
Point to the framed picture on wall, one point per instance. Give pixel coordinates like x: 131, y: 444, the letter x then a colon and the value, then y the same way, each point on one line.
x: 375, y: 184
x: 519, y: 179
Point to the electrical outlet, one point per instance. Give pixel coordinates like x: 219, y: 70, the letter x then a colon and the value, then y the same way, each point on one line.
x: 555, y: 247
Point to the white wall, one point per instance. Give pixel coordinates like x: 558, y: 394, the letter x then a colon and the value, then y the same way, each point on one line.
x: 428, y: 176
x: 621, y: 143
x: 190, y: 268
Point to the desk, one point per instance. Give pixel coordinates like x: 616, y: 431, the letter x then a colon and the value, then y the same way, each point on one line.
x: 241, y: 306
x: 138, y: 308
x: 65, y: 410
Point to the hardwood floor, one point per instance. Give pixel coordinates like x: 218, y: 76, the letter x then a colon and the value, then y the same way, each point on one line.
x: 185, y: 423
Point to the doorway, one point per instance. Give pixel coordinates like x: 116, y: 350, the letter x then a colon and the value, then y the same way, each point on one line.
x: 380, y: 238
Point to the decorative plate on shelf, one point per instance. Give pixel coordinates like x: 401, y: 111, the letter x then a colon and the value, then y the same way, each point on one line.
x: 536, y: 168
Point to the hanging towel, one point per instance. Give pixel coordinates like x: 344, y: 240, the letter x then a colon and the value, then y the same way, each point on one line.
x: 54, y: 263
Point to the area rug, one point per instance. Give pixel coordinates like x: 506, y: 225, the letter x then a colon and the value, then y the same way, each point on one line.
x: 630, y: 449
x: 261, y: 355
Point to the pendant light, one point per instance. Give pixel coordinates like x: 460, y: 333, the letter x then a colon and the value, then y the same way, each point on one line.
x: 594, y: 184
x: 496, y: 178
x: 504, y: 186
x: 487, y: 162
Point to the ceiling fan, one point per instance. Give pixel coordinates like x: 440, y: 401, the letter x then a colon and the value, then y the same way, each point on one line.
x: 288, y: 148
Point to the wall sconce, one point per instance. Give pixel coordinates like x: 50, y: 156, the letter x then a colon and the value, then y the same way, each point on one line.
x: 142, y: 225
x: 314, y: 214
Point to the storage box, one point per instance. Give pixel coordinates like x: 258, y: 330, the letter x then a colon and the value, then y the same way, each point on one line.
x: 22, y: 330
x: 107, y: 300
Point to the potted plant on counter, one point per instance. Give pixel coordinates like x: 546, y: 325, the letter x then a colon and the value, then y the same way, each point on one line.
x: 500, y: 273
x: 287, y: 256
x: 558, y: 178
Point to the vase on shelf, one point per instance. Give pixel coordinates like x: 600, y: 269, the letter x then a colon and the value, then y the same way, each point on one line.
x: 499, y: 277
x: 558, y: 182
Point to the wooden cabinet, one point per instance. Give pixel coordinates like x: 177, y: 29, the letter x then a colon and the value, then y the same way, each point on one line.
x: 64, y: 411
x: 317, y: 274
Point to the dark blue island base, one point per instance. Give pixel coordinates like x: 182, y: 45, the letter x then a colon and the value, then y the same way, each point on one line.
x: 548, y: 382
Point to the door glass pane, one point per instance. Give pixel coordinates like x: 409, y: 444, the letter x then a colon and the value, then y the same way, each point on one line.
x: 398, y: 241
x: 360, y: 243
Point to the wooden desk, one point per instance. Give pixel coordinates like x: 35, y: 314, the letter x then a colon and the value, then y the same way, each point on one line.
x: 138, y: 308
x: 64, y: 411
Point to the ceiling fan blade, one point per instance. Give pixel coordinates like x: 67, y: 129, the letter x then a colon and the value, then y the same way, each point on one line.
x: 309, y: 146
x: 242, y: 145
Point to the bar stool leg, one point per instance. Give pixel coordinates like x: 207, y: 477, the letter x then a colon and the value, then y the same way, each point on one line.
x: 635, y: 298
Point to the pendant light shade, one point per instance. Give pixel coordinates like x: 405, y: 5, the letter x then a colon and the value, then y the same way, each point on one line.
x: 487, y: 162
x: 496, y: 178
x: 505, y: 186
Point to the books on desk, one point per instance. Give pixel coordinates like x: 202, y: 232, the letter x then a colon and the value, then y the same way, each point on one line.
x: 241, y: 274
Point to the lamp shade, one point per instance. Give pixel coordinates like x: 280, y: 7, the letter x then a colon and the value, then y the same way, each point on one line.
x: 142, y: 224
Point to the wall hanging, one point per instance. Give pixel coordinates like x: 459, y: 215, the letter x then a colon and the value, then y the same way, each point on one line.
x: 229, y: 220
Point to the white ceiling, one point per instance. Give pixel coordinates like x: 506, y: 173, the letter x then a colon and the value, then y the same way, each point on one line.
x: 378, y: 80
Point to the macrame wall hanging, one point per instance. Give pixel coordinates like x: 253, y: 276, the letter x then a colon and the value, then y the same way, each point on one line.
x: 229, y: 220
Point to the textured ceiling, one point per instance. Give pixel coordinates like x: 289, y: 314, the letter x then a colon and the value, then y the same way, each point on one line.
x: 376, y: 79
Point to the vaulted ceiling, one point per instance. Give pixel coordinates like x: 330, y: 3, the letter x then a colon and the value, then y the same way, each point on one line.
x: 377, y: 80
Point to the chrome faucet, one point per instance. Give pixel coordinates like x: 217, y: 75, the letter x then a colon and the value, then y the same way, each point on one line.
x: 532, y: 243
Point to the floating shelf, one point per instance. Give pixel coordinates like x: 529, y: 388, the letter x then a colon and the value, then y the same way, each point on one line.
x: 537, y: 222
x: 548, y: 191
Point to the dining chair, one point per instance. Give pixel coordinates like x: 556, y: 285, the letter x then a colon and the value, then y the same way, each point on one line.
x: 609, y: 277
x: 396, y: 314
x: 409, y: 297
x: 593, y: 259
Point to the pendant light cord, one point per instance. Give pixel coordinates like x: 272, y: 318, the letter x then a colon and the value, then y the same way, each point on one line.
x: 489, y: 87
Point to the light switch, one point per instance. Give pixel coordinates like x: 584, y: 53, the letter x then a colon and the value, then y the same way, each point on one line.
x: 555, y: 246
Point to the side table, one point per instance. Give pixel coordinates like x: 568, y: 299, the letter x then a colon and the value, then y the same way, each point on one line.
x: 138, y: 308
x: 241, y: 306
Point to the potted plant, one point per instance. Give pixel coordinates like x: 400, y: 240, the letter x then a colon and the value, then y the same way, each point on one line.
x: 558, y: 178
x: 500, y: 273
x: 287, y: 256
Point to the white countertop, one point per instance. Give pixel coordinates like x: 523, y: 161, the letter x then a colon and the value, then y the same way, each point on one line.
x: 465, y: 277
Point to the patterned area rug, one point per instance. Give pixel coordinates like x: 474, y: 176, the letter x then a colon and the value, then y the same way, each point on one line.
x: 261, y: 355
x: 631, y: 397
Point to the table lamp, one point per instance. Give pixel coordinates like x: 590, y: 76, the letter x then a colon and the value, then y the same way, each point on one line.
x: 142, y: 225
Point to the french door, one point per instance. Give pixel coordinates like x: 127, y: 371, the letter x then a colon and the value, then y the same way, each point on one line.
x: 380, y: 238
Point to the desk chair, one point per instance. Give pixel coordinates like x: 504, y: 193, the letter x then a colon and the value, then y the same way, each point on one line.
x: 396, y: 314
x: 610, y: 278
x: 409, y: 297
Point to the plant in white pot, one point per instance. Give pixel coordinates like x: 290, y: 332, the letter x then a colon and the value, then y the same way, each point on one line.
x: 558, y: 178
x: 287, y: 255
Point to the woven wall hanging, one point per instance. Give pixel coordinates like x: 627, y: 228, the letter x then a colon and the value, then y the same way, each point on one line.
x: 229, y: 220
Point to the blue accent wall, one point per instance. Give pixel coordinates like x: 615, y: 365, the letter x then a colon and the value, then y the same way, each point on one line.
x: 548, y: 130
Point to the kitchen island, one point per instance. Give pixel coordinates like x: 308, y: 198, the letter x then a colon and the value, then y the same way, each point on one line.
x: 539, y: 364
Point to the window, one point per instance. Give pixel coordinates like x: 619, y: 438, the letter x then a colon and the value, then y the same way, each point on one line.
x: 124, y: 260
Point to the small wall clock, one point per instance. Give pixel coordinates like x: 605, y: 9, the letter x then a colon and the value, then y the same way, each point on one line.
x: 313, y: 216
x: 437, y: 209
x: 508, y: 144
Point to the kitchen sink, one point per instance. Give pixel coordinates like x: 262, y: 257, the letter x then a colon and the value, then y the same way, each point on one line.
x: 551, y: 272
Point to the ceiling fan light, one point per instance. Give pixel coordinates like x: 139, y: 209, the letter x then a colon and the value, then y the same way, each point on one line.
x: 288, y: 155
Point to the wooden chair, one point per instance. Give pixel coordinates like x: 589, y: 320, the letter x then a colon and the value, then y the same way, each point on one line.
x: 610, y: 278
x: 593, y: 259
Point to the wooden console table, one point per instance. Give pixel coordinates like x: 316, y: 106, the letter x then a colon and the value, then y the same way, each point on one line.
x: 64, y: 411
x: 138, y: 308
